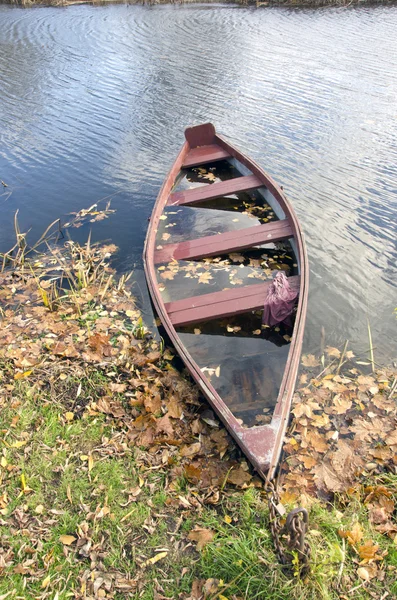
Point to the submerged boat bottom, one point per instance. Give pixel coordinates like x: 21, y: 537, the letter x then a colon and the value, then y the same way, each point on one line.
x: 244, y: 360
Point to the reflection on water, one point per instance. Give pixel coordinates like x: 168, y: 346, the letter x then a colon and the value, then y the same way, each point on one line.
x: 94, y: 101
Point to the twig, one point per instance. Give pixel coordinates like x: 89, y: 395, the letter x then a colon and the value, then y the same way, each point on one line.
x: 393, y: 388
x: 341, y: 357
x: 357, y: 587
x: 342, y: 564
x: 371, y: 347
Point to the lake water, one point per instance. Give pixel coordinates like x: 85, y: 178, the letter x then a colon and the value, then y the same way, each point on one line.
x: 94, y: 101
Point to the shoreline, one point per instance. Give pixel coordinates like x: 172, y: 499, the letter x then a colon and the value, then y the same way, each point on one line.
x: 117, y: 480
x: 248, y: 3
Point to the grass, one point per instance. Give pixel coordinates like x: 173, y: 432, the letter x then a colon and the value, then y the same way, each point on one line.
x: 101, y: 498
x: 64, y: 495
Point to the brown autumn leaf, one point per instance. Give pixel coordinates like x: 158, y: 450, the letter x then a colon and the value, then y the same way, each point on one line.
x: 239, y: 476
x: 201, y: 536
x: 174, y: 407
x: 378, y: 515
x: 317, y: 441
x: 309, y: 360
x: 190, y: 450
x: 100, y: 344
x: 167, y: 275
x: 193, y: 472
x: 205, y: 277
x: 340, y: 405
x: 363, y: 574
x: 354, y: 535
x: 368, y: 551
x: 164, y: 425
x: 153, y: 403
x: 332, y: 351
x: 376, y: 427
x: 391, y: 439
x: 327, y: 479
x: 67, y: 540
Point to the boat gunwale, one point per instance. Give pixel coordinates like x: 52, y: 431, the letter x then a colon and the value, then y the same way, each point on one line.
x: 276, y: 429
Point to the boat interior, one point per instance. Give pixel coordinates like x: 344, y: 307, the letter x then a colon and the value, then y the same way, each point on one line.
x: 221, y: 239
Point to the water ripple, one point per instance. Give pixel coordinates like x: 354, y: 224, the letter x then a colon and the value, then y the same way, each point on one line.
x: 95, y: 99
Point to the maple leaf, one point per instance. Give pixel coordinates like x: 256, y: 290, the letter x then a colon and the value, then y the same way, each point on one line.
x: 368, y: 551
x: 153, y: 403
x: 205, y: 277
x: 354, y: 535
x: 340, y: 405
x: 309, y: 360
x: 100, y: 344
x: 201, y: 536
x: 164, y: 425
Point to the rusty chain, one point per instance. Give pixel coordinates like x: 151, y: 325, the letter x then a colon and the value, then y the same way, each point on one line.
x: 289, y: 538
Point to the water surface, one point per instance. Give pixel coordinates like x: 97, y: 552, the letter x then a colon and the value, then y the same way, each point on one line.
x: 94, y: 101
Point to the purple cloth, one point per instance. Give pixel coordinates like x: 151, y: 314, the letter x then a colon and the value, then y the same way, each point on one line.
x: 280, y: 301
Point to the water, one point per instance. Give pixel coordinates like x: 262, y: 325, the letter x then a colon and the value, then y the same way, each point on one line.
x: 94, y: 101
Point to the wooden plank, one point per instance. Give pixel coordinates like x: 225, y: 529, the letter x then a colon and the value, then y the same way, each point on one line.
x: 221, y: 304
x: 215, y: 190
x: 204, y: 154
x: 224, y: 243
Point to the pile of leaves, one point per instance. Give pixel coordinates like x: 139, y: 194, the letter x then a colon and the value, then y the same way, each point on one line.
x: 117, y: 480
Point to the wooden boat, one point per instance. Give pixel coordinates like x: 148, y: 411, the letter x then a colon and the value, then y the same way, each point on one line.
x: 210, y: 254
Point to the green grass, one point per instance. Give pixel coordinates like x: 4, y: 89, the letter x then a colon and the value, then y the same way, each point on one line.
x: 126, y: 511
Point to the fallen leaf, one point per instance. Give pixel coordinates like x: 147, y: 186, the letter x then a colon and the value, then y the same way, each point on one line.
x: 201, y: 536
x: 309, y: 360
x: 368, y: 550
x: 67, y: 540
x: 239, y: 476
x: 354, y: 535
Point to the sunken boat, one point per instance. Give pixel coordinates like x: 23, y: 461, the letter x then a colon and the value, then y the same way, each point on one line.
x: 227, y: 270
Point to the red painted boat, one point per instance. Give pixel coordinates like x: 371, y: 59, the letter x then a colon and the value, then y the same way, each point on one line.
x: 220, y: 230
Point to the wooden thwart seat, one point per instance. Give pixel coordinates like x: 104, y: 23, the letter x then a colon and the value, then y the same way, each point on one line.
x: 215, y: 190
x: 204, y: 154
x: 225, y: 243
x: 221, y: 304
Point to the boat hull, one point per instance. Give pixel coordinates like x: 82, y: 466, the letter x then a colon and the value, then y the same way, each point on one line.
x: 261, y: 444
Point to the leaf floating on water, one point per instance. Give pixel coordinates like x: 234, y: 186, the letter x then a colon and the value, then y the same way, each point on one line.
x: 257, y: 332
x: 167, y: 275
x: 205, y: 277
x: 165, y: 236
x: 163, y: 217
